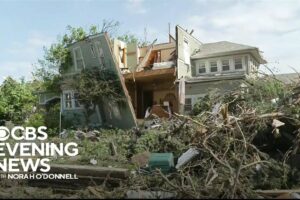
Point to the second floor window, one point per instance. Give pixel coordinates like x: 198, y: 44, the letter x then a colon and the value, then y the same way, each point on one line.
x: 99, y: 52
x: 225, y: 65
x: 213, y: 66
x: 79, y: 63
x: 238, y: 63
x: 201, y: 68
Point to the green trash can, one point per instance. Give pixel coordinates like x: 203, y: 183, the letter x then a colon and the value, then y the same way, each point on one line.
x: 162, y: 161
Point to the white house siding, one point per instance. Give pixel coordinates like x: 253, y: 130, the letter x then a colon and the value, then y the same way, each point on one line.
x: 207, y: 61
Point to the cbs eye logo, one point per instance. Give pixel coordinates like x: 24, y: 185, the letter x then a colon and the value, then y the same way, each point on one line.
x: 4, y: 133
x: 27, y: 133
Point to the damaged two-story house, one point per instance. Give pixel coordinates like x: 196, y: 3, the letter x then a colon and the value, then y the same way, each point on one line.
x: 175, y: 74
x: 93, y: 52
x: 160, y: 78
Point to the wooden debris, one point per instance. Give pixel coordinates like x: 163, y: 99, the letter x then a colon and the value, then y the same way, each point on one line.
x: 276, y: 123
x: 85, y: 170
x: 95, y: 192
x: 113, y: 149
x: 280, y: 194
x: 87, y: 175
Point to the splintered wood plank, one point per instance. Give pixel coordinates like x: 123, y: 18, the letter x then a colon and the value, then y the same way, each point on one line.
x: 92, y: 171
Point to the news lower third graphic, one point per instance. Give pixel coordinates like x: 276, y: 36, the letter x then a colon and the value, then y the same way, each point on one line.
x: 26, y: 154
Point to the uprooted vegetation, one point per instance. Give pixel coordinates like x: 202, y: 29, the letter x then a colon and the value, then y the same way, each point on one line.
x: 247, y: 142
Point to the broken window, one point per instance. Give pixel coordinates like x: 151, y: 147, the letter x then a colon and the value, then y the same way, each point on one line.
x: 238, y: 63
x: 213, y: 66
x: 71, y: 100
x: 225, y: 65
x: 79, y: 63
x: 188, y: 105
x: 68, y: 100
x: 76, y: 101
x: 201, y: 68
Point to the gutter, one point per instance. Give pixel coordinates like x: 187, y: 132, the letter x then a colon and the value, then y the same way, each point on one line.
x: 213, y: 78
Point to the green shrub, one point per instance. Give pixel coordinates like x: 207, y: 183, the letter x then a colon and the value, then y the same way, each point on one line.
x: 36, y: 120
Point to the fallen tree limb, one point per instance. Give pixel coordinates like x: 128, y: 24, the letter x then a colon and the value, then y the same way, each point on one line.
x: 190, y: 119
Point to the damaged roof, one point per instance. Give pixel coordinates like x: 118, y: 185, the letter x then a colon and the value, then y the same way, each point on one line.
x: 224, y: 47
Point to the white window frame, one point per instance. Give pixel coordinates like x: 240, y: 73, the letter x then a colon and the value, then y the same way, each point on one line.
x: 75, y: 58
x: 216, y: 61
x: 65, y: 99
x: 199, y: 64
x: 242, y: 62
x: 73, y: 104
x: 225, y: 59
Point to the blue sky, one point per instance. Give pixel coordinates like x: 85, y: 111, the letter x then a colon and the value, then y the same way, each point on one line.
x: 272, y: 25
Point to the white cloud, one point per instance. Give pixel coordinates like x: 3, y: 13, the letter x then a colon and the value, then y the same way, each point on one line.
x: 31, y: 47
x: 15, y: 69
x: 20, y: 56
x: 136, y: 6
x: 273, y: 26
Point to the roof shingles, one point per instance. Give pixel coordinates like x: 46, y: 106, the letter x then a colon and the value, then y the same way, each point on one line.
x: 216, y: 48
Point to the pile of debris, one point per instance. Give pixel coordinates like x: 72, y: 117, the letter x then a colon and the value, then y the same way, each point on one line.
x: 240, y: 145
x: 233, y: 149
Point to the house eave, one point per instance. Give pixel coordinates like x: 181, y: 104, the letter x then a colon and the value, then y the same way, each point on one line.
x: 253, y: 51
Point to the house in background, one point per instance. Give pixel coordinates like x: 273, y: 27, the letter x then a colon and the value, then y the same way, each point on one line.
x: 203, y: 67
x: 166, y: 77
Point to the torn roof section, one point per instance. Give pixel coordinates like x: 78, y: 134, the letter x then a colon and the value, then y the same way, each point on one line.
x: 222, y: 48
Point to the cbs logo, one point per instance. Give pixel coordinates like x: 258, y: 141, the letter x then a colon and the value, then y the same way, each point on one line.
x: 27, y: 133
x: 4, y: 133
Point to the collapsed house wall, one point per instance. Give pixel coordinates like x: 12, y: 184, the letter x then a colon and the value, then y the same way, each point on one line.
x: 87, y: 54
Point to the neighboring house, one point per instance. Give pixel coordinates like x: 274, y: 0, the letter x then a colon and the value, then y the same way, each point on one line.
x: 203, y: 67
x: 167, y: 75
